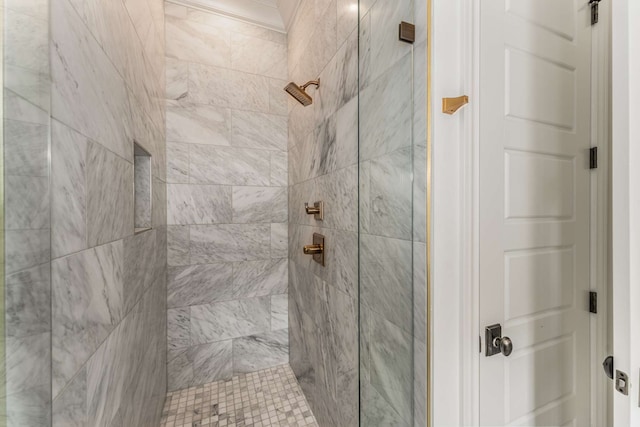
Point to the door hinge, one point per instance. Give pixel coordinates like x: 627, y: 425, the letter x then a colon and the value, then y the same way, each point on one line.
x: 594, y: 11
x: 593, y: 302
x: 593, y: 158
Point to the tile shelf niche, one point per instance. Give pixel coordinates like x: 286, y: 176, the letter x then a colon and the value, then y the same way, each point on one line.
x: 142, y: 188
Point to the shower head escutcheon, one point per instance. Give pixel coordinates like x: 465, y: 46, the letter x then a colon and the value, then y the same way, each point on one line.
x: 299, y: 92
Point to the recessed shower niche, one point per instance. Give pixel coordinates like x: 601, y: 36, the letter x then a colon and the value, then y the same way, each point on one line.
x: 142, y: 188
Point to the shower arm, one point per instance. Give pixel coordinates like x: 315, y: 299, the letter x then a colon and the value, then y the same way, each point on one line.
x: 309, y: 83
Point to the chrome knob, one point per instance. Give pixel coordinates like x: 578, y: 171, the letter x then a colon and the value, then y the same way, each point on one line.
x: 505, y: 345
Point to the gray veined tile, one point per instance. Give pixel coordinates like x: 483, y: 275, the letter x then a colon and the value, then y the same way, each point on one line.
x: 230, y: 319
x: 192, y: 41
x: 109, y: 196
x: 69, y: 184
x: 143, y: 188
x: 26, y: 248
x: 26, y: 202
x: 391, y: 195
x: 179, y: 369
x: 211, y: 362
x: 279, y: 240
x: 234, y: 25
x: 87, y: 303
x: 279, y: 168
x: 17, y: 105
x: 259, y: 130
x: 177, y: 163
x: 257, y: 56
x: 386, y: 48
x: 198, y: 124
x: 177, y: 79
x: 259, y: 204
x: 259, y: 278
x: 198, y: 204
x: 70, y: 406
x: 178, y: 245
x: 26, y: 147
x: 420, y: 292
x: 229, y: 242
x: 26, y: 42
x: 228, y: 166
x: 199, y: 284
x: 260, y: 351
x: 278, y: 98
x: 347, y: 19
x: 28, y: 302
x: 27, y: 363
x: 76, y: 98
x: 279, y: 312
x: 178, y: 328
x: 138, y: 266
x: 223, y: 87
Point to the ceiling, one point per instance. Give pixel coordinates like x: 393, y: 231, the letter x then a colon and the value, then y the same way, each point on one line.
x: 274, y: 14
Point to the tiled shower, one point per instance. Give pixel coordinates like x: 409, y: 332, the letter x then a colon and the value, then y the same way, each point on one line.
x: 155, y: 175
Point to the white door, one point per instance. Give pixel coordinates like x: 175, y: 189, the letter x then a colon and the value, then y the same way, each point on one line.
x: 535, y: 58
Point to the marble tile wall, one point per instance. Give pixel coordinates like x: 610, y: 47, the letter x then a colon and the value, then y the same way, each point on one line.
x: 227, y: 197
x: 323, y: 165
x: 108, y: 285
x: 392, y: 215
x: 25, y: 341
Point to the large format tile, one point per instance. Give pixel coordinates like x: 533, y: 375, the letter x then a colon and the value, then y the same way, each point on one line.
x: 230, y: 319
x: 70, y: 406
x: 259, y: 130
x: 178, y: 252
x: 279, y: 240
x: 25, y: 147
x: 109, y: 196
x: 26, y: 248
x: 259, y: 278
x: 192, y: 41
x: 260, y: 351
x: 228, y: 166
x: 69, y: 199
x: 258, y: 56
x: 26, y: 202
x: 199, y: 284
x: 198, y: 124
x: 178, y: 328
x: 28, y: 302
x: 87, y: 303
x: 229, y: 242
x: 279, y: 312
x: 259, y: 204
x: 198, y: 204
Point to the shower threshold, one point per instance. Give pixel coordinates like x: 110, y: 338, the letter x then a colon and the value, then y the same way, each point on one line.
x: 270, y: 397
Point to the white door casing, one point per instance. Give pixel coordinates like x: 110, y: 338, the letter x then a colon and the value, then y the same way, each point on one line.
x: 534, y: 202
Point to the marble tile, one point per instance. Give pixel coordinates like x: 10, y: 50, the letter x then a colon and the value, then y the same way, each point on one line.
x: 260, y: 278
x: 392, y: 366
x: 177, y: 79
x: 27, y: 363
x: 29, y: 408
x: 26, y: 41
x: 419, y: 194
x: 230, y: 319
x: 198, y: 124
x: 391, y: 195
x: 278, y: 98
x: 386, y: 48
x: 258, y: 56
x: 259, y: 204
x: 26, y: 203
x: 344, y: 260
x: 260, y: 351
x: 87, y: 303
x: 234, y: 25
x: 227, y: 88
x: 110, y: 202
x: 158, y: 203
x: 338, y: 191
x: 76, y: 98
x: 279, y: 312
x: 195, y: 42
x: 279, y: 168
x: 199, y: 284
x: 279, y: 240
x: 69, y: 186
x: 26, y: 248
x: 19, y: 108
x: 386, y: 112
x: 198, y: 204
x: 228, y: 166
x: 229, y: 242
x: 142, y: 193
x: 347, y: 18
x: 178, y: 328
x: 175, y: 10
x: 179, y: 369
x: 138, y: 266
x: 259, y: 130
x: 28, y: 302
x: 25, y: 148
x: 323, y: 42
x: 364, y: 196
x: 177, y: 163
x: 420, y: 292
x: 419, y: 384
x: 178, y: 252
x: 70, y: 406
x: 386, y: 275
x: 200, y: 364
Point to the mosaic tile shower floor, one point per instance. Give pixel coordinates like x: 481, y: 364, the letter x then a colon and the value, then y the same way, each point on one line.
x: 271, y: 397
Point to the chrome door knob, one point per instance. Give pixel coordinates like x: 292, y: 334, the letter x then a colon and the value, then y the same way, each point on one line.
x: 505, y: 345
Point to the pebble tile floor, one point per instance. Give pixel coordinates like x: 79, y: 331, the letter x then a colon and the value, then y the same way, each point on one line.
x: 271, y: 397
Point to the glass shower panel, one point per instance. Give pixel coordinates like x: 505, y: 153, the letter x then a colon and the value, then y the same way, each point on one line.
x: 25, y: 215
x: 388, y: 232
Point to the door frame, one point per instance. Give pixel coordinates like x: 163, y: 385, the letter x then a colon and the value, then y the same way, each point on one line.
x: 455, y: 223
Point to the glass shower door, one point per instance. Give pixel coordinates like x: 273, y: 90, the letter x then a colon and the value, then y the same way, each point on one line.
x: 392, y: 216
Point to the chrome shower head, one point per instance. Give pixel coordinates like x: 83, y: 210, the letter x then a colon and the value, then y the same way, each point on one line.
x: 299, y: 93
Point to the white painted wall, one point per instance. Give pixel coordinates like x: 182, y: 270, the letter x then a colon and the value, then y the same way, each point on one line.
x: 626, y: 204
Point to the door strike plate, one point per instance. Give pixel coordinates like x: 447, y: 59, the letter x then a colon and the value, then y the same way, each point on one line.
x: 622, y: 382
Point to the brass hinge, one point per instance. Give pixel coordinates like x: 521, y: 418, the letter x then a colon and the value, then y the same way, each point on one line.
x: 594, y: 11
